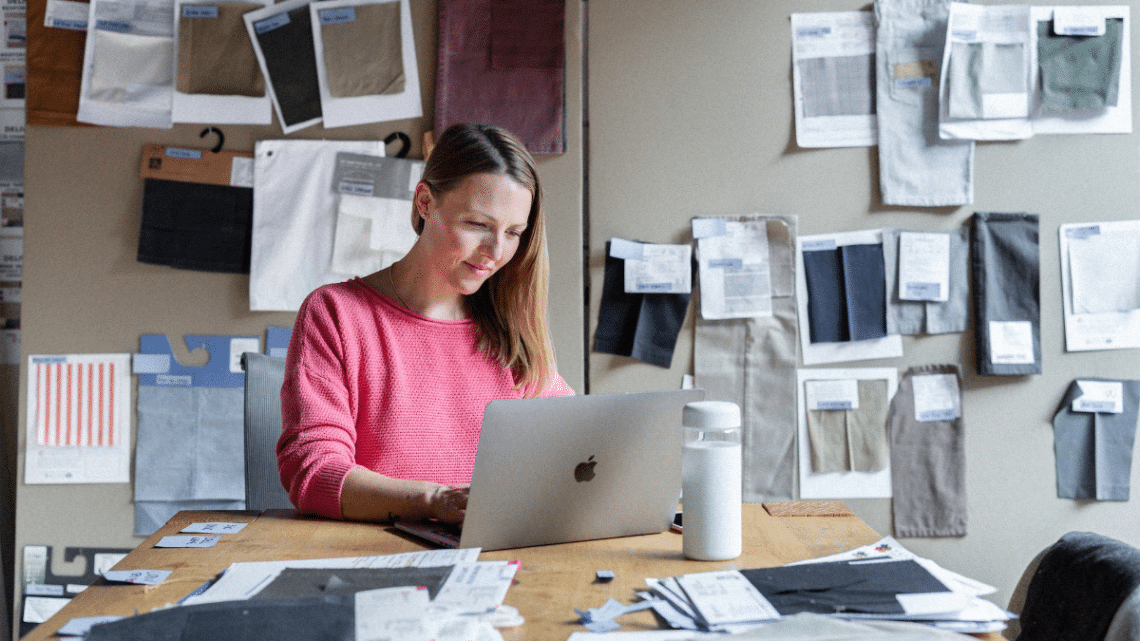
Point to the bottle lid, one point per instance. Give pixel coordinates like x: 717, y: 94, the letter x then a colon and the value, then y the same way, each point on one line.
x: 711, y: 415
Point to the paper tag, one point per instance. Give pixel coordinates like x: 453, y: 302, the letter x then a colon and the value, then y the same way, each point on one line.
x: 241, y: 172
x: 339, y: 15
x: 1104, y: 397
x: 936, y: 397
x: 215, y: 527
x: 662, y: 269
x: 200, y: 11
x: 239, y: 346
x: 138, y: 577
x: 66, y: 14
x: 626, y: 249
x: 924, y: 266
x: 838, y: 394
x: 271, y: 23
x: 187, y: 541
x: 709, y: 227
x: 1077, y: 21
x: 43, y: 589
x: 823, y: 244
x: 1011, y: 343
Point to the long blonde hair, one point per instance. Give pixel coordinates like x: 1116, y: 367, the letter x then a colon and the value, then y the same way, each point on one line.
x: 510, y: 310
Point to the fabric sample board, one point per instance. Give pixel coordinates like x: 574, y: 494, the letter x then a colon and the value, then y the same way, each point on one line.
x: 214, y: 52
x: 500, y: 63
x: 1094, y: 448
x: 1005, y: 265
x: 910, y: 317
x: 363, y: 56
x: 285, y: 39
x: 752, y: 362
x: 916, y: 167
x: 928, y: 465
x: 1080, y: 72
x: 642, y: 326
x: 846, y: 293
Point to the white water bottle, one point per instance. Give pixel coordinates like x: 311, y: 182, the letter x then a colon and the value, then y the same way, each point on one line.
x: 710, y: 481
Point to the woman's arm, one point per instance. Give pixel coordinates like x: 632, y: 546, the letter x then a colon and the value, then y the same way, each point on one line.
x: 369, y: 496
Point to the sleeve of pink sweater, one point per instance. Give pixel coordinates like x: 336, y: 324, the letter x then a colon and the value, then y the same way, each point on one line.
x: 317, y: 448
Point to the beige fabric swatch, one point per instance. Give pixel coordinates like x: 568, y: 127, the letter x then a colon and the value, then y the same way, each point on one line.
x: 363, y: 57
x: 215, y: 55
x: 851, y: 440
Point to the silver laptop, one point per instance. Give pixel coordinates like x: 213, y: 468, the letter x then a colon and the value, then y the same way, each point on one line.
x: 575, y: 468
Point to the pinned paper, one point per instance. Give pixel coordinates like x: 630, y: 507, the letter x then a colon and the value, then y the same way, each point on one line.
x: 924, y: 266
x: 187, y: 542
x: 936, y: 397
x: 841, y: 394
x: 654, y: 269
x: 1102, y: 397
x: 1011, y: 343
x: 735, y: 274
x: 138, y: 577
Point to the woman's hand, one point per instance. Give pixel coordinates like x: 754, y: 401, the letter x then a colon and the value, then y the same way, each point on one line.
x: 448, y: 503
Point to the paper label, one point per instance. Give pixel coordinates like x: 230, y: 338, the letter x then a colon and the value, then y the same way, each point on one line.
x: 271, y: 23
x: 239, y: 346
x: 824, y: 244
x: 839, y: 394
x: 1011, y: 343
x: 662, y: 269
x: 626, y: 249
x: 187, y: 542
x: 936, y: 397
x: 709, y: 227
x: 340, y: 15
x: 241, y: 172
x: 1077, y: 21
x: 1105, y: 397
x: 138, y: 577
x: 215, y: 527
x: 200, y: 11
x: 924, y: 266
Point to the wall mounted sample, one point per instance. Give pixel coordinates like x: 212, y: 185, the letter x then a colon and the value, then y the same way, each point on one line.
x: 928, y: 453
x: 197, y: 209
x: 752, y: 361
x: 375, y: 205
x: 1005, y: 265
x: 282, y: 38
x: 833, y: 78
x: 1094, y: 430
x: 78, y: 419
x: 501, y: 62
x: 54, y: 68
x: 841, y: 295
x: 366, y: 62
x: 916, y: 167
x: 847, y: 409
x: 217, y: 77
x: 190, y: 450
x: 128, y: 64
x: 1100, y: 284
x: 295, y: 215
x: 734, y: 267
x: 928, y: 282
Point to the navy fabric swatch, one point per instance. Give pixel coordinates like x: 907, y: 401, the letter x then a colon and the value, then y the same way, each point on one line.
x: 847, y: 293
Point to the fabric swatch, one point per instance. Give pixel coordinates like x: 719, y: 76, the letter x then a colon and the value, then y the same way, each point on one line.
x: 1094, y: 449
x: 928, y: 465
x: 1005, y: 266
x: 214, y: 52
x: 909, y: 317
x: 363, y: 55
x: 1080, y: 72
x: 846, y: 293
x: 196, y: 226
x: 852, y: 440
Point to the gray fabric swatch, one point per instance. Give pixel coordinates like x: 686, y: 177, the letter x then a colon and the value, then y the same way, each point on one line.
x: 1080, y: 72
x: 928, y: 465
x: 1094, y: 449
x: 752, y: 362
x: 916, y: 167
x: 909, y: 317
x: 1006, y: 268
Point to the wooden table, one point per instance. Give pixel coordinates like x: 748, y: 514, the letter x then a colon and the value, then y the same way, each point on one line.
x: 551, y: 581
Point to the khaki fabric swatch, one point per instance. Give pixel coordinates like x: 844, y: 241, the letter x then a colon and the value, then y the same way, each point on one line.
x: 851, y: 440
x: 215, y: 55
x: 363, y: 57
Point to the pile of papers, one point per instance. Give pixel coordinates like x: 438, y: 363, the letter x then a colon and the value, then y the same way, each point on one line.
x: 883, y: 581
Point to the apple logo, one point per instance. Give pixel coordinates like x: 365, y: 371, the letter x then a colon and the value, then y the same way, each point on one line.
x: 584, y: 471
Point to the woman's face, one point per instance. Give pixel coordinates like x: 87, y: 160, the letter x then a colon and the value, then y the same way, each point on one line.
x: 474, y: 229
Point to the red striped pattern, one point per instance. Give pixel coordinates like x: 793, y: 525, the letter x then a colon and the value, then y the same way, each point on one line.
x: 75, y: 404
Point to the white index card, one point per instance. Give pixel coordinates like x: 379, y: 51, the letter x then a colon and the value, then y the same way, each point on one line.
x: 662, y: 269
x: 1075, y: 21
x: 1011, y: 343
x: 187, y: 541
x: 936, y: 397
x: 1105, y: 397
x: 138, y: 577
x: 924, y: 266
x: 839, y: 394
x: 214, y: 527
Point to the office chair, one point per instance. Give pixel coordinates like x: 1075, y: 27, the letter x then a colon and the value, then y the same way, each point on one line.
x: 1085, y: 586
x: 263, y: 377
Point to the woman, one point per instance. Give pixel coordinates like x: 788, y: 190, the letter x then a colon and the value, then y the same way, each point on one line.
x: 387, y: 376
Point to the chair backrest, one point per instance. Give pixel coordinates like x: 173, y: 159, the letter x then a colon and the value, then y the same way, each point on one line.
x: 263, y: 377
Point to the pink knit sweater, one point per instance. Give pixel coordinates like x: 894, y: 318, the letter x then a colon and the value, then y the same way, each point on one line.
x: 369, y: 383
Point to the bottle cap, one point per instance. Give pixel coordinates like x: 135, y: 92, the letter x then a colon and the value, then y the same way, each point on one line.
x: 711, y: 415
